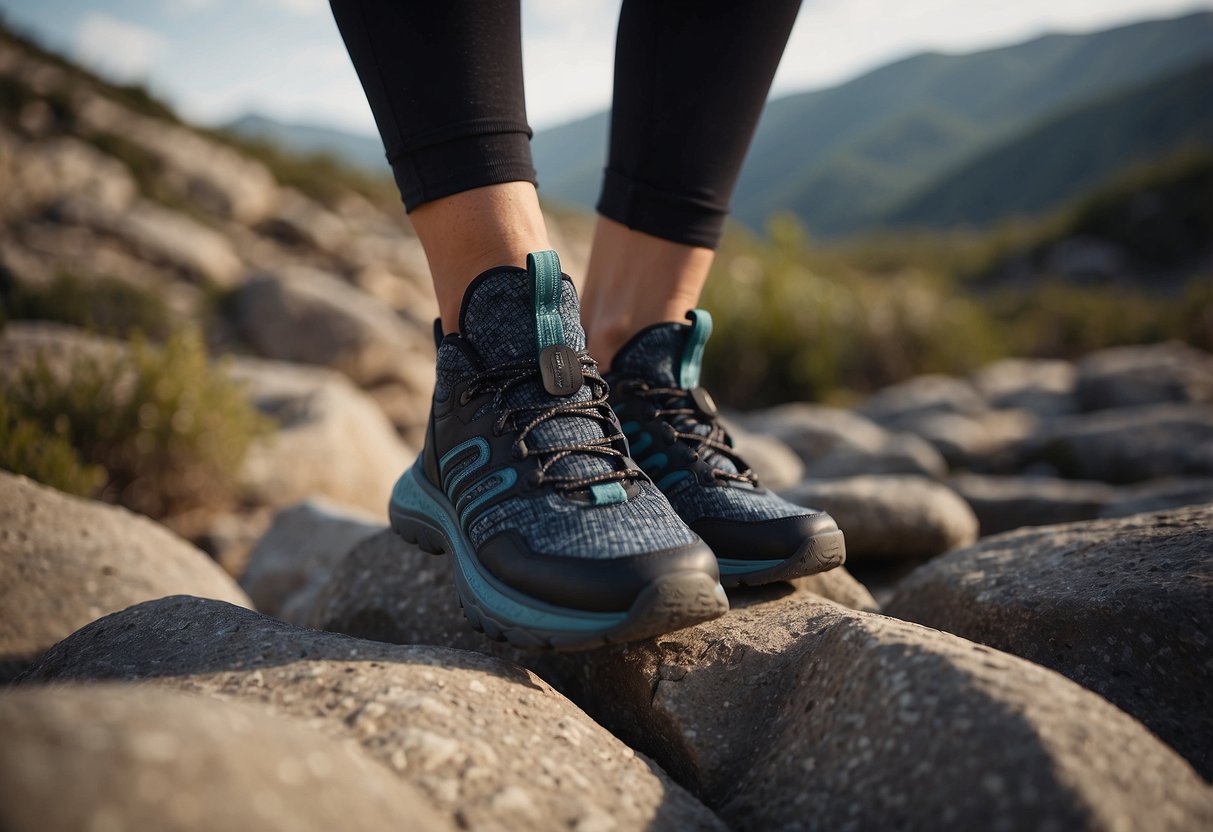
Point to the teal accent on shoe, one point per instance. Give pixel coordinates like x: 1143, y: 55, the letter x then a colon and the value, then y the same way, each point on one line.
x: 734, y: 566
x: 414, y: 497
x: 656, y: 462
x: 485, y: 490
x: 692, y: 353
x: 672, y: 478
x: 606, y: 493
x: 640, y: 444
x: 544, y: 269
x: 460, y: 471
x: 629, y: 427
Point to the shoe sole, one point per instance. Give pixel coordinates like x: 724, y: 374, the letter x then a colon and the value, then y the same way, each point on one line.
x: 419, y: 514
x: 819, y: 553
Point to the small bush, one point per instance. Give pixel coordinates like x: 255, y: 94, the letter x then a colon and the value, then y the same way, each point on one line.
x: 170, y: 430
x: 27, y: 448
x: 103, y: 305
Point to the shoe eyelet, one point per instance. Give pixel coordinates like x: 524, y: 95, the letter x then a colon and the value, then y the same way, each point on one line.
x: 465, y: 397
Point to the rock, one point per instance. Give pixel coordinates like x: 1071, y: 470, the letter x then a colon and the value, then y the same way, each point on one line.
x: 1154, y: 374
x: 163, y: 236
x: 1004, y: 503
x: 800, y: 714
x: 24, y: 343
x: 300, y: 220
x: 891, y: 516
x: 919, y: 395
x: 776, y: 465
x: 487, y: 742
x: 1044, y: 387
x: 389, y: 590
x: 136, y: 757
x: 333, y: 440
x: 313, y: 318
x: 839, y: 586
x: 298, y: 553
x: 1159, y: 495
x: 1127, y: 444
x: 980, y: 441
x: 837, y: 443
x: 209, y: 175
x: 1123, y: 607
x: 65, y: 561
x: 46, y: 172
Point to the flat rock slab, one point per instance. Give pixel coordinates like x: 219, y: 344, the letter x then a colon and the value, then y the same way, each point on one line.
x: 490, y: 744
x: 65, y: 561
x: 134, y: 757
x: 802, y: 714
x: 1123, y: 607
x: 901, y: 517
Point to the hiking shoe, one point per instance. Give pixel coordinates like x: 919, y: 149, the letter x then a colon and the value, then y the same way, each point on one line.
x: 559, y: 539
x: 673, y: 432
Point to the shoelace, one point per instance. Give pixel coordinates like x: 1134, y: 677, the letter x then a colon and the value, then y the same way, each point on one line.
x: 500, y: 379
x: 670, y: 404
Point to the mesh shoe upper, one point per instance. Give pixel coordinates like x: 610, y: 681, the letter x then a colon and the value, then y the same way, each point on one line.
x: 659, y: 358
x: 498, y: 326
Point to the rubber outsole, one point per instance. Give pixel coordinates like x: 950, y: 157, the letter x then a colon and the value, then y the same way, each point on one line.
x: 670, y: 602
x: 819, y: 553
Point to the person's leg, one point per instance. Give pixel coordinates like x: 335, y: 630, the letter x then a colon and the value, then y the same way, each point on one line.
x: 690, y: 80
x: 558, y: 539
x: 444, y: 81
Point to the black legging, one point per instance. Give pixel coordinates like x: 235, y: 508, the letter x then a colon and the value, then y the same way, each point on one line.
x: 444, y: 81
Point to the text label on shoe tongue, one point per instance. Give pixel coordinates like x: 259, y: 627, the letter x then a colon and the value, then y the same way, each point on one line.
x: 561, y: 370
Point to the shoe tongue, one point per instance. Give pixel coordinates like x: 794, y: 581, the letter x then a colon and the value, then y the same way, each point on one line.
x: 510, y: 314
x: 666, y: 355
x: 670, y: 355
x: 508, y: 311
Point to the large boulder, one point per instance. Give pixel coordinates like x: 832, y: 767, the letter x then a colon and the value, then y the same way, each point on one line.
x: 837, y: 443
x: 1124, y: 607
x: 65, y: 562
x: 487, y: 742
x: 295, y: 558
x: 332, y: 441
x: 1154, y: 374
x: 311, y: 317
x: 1127, y: 444
x: 134, y: 757
x: 891, y: 516
x: 801, y: 714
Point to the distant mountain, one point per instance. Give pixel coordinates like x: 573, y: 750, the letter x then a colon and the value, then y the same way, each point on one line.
x: 894, y: 141
x: 841, y: 157
x: 1062, y: 156
x: 361, y: 151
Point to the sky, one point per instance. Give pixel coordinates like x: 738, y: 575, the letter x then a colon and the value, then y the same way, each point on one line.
x: 215, y: 60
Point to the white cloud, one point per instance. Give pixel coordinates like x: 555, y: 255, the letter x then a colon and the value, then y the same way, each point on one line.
x: 116, y: 48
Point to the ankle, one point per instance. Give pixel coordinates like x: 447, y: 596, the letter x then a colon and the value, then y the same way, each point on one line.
x: 636, y: 280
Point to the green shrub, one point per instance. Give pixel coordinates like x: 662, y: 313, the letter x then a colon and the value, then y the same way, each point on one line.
x: 170, y: 430
x: 104, y: 305
x: 27, y: 448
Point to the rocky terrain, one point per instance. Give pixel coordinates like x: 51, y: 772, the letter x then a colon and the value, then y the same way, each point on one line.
x: 1022, y: 640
